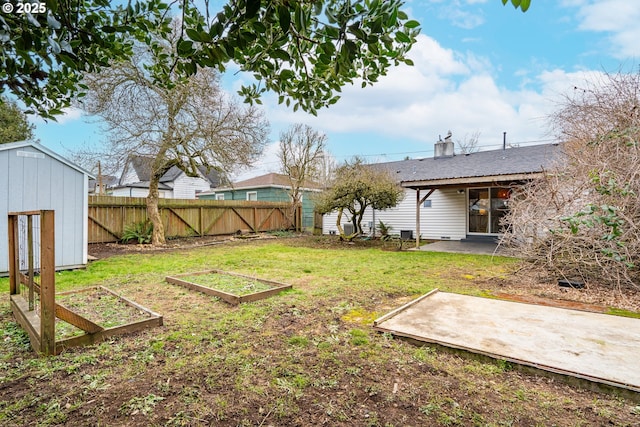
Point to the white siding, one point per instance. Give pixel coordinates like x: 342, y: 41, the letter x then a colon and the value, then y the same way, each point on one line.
x: 33, y: 180
x: 445, y: 219
x: 185, y: 187
x: 130, y: 176
x: 137, y: 192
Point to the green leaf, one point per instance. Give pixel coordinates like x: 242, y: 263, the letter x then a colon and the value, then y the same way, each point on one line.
x: 193, y: 35
x: 412, y: 24
x: 280, y: 54
x: 253, y: 6
x: 284, y: 18
x: 185, y: 47
x: 402, y: 37
x: 524, y: 5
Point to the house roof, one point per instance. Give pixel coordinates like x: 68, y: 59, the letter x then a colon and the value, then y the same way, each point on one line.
x: 107, y: 180
x: 483, y: 166
x: 142, y: 167
x: 45, y: 150
x: 141, y: 184
x: 265, y: 181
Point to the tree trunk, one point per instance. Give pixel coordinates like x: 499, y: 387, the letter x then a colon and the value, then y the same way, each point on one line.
x: 157, y: 236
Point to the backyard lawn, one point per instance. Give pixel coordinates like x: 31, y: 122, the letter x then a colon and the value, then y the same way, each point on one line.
x: 307, y: 356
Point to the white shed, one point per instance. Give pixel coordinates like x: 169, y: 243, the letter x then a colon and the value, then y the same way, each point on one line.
x: 32, y: 177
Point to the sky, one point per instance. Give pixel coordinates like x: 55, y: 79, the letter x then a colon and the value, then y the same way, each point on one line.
x: 481, y: 68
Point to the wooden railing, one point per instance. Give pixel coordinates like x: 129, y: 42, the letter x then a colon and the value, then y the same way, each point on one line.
x: 109, y: 216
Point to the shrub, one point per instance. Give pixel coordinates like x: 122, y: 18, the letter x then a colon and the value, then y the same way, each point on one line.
x: 140, y: 231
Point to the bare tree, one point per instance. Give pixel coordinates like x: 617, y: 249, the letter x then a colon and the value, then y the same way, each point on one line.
x: 582, y: 220
x: 190, y: 123
x: 469, y: 144
x: 326, y: 170
x: 301, y: 151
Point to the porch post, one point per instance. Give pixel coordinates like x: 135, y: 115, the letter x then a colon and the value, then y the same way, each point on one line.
x: 417, y: 218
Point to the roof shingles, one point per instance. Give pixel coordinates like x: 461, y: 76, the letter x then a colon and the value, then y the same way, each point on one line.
x: 521, y: 160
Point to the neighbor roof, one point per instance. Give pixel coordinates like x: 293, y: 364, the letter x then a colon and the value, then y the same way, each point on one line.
x: 142, y: 166
x: 482, y: 166
x: 268, y: 180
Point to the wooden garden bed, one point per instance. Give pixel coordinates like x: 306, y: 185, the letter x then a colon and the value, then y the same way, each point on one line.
x: 233, y: 288
x: 56, y: 322
x: 84, y: 321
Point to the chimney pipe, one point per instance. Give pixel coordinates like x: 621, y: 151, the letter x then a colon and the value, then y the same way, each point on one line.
x: 504, y: 140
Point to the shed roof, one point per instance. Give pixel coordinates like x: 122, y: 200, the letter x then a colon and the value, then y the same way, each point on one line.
x: 475, y: 167
x: 45, y: 150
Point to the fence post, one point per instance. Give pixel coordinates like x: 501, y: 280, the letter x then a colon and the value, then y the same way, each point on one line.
x: 47, y: 282
x: 14, y: 262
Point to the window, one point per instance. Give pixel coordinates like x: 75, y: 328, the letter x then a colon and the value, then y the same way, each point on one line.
x: 252, y: 196
x: 219, y: 196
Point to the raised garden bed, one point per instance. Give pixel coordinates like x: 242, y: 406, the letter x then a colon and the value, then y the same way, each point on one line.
x: 230, y: 287
x: 85, y: 316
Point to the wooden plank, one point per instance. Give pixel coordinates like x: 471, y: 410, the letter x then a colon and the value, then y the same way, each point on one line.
x: 28, y: 320
x: 47, y: 282
x: 30, y: 259
x: 216, y: 218
x: 243, y: 219
x: 100, y: 336
x: 230, y: 298
x: 14, y: 262
x: 398, y: 310
x: 264, y: 294
x: 76, y: 320
x: 181, y: 218
x: 131, y: 303
x: 104, y: 227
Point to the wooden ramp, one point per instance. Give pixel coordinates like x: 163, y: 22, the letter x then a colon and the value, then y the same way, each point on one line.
x: 591, y: 346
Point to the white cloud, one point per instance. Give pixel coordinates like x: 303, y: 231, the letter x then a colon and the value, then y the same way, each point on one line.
x: 267, y: 163
x: 619, y: 18
x: 444, y: 90
x: 70, y: 114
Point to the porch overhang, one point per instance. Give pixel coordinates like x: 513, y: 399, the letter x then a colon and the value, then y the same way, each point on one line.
x: 464, y: 182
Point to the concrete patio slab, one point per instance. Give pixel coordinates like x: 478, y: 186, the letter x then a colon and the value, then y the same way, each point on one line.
x: 591, y: 346
x: 463, y: 247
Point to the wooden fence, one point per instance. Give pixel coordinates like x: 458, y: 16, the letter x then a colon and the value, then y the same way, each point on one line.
x: 109, y: 216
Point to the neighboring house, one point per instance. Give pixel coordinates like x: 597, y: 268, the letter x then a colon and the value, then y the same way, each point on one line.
x: 456, y: 197
x: 106, y: 181
x: 34, y: 178
x: 174, y: 184
x: 271, y: 187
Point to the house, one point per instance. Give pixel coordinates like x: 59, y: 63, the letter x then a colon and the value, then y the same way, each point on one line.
x: 271, y: 187
x: 102, y: 184
x: 174, y: 184
x: 456, y: 197
x: 33, y: 178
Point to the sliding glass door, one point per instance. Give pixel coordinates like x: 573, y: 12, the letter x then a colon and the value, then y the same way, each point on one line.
x: 486, y: 207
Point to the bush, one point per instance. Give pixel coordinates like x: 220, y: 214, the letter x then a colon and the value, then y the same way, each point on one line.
x: 140, y: 231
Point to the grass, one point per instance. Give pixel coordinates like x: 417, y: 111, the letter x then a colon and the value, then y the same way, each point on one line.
x: 226, y: 283
x: 307, y: 356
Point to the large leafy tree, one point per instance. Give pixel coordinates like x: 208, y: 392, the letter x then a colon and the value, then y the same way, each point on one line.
x: 190, y: 124
x: 14, y: 125
x: 358, y: 186
x: 303, y: 50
